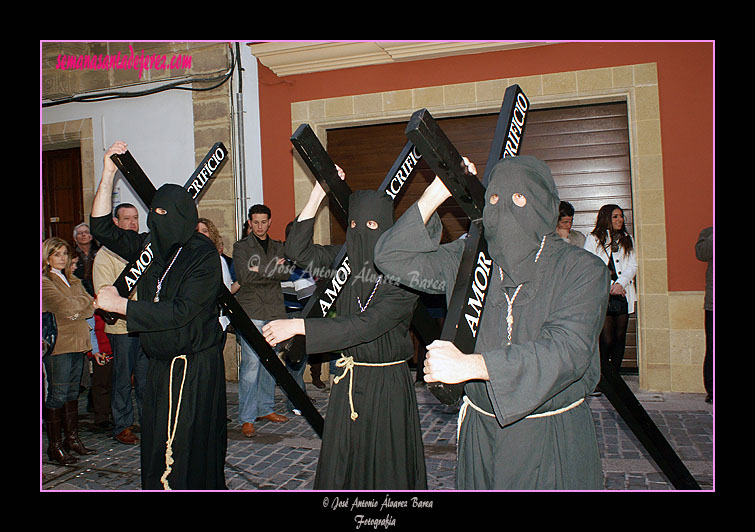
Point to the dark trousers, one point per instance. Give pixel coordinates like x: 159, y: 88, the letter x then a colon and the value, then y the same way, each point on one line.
x: 708, y: 362
x: 100, y: 391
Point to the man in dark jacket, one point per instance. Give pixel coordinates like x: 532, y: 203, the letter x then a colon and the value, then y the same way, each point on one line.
x: 260, y: 268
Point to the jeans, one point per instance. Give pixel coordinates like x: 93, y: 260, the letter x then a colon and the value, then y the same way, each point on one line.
x: 63, y: 378
x: 256, y: 385
x: 128, y: 359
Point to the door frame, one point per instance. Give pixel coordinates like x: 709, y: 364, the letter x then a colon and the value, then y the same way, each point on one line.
x: 71, y: 134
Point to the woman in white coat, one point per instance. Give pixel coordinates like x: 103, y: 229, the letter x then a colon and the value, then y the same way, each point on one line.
x: 614, y: 245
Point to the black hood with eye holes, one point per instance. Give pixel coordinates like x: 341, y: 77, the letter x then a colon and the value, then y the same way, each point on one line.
x: 366, y: 205
x: 173, y: 229
x: 514, y: 233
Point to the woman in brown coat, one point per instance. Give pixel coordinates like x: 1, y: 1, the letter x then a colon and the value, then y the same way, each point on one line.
x: 64, y: 296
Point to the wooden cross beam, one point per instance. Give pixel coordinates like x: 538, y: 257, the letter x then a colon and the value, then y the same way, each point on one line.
x: 468, y: 299
x: 642, y: 426
x: 445, y: 160
x: 145, y: 190
x: 323, y: 168
x: 209, y: 167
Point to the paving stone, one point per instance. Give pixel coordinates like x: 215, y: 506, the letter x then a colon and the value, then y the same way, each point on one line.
x: 283, y: 456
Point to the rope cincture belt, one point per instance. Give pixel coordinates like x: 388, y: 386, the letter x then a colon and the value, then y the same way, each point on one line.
x: 468, y: 402
x: 172, y: 433
x: 348, y: 364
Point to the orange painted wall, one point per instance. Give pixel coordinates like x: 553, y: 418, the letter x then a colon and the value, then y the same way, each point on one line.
x: 686, y: 94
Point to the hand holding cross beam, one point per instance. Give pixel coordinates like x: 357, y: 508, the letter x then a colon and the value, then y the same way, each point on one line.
x: 444, y: 362
x: 469, y: 193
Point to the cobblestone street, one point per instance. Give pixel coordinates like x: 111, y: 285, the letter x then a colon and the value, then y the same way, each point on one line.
x: 283, y: 456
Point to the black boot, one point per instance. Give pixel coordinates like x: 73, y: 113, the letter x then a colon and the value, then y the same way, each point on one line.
x: 72, y: 442
x: 54, y: 427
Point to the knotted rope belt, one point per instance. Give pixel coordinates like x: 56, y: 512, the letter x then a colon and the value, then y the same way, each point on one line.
x: 348, y: 364
x: 468, y: 402
x: 172, y: 432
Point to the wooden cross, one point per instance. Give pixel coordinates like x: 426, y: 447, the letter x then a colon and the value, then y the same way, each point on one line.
x: 145, y: 190
x: 244, y: 326
x: 323, y: 168
x: 468, y: 297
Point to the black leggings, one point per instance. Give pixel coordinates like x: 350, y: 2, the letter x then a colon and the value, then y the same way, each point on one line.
x: 613, y: 339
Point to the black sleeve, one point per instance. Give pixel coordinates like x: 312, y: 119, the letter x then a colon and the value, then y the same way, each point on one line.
x: 126, y: 244
x: 395, y: 305
x: 307, y: 255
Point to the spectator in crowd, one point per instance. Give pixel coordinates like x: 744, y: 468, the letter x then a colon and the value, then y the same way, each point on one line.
x: 565, y: 221
x: 64, y: 295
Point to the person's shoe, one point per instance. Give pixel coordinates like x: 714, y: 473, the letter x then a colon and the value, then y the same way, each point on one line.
x: 317, y: 383
x: 275, y: 418
x: 296, y: 412
x: 127, y: 437
x: 247, y: 429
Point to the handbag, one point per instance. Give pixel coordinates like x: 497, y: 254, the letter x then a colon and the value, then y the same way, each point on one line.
x: 49, y: 333
x: 617, y: 305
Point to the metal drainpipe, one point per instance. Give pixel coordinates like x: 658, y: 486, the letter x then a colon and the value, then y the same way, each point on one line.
x: 240, y: 149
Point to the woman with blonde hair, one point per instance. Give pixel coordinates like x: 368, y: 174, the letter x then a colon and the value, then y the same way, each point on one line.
x: 64, y: 295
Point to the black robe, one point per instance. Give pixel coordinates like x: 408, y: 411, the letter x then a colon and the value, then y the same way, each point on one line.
x: 382, y: 448
x: 552, y: 362
x: 183, y: 322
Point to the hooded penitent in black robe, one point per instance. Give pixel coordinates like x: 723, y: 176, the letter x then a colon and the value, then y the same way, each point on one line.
x: 552, y: 361
x: 183, y: 322
x: 371, y: 439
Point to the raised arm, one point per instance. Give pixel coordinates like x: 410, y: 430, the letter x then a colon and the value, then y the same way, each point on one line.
x: 410, y: 251
x: 299, y: 246
x: 103, y: 198
x: 315, y: 198
x: 432, y: 198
